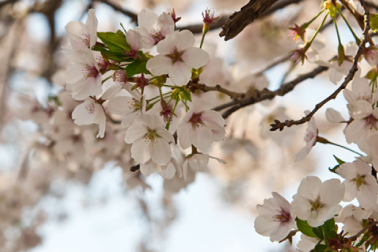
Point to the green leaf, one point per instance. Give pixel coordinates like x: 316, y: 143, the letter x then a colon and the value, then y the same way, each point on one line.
x: 305, y: 228
x: 116, y: 42
x: 320, y: 248
x: 318, y: 231
x: 339, y: 161
x: 136, y: 67
x: 329, y: 226
x: 374, y: 22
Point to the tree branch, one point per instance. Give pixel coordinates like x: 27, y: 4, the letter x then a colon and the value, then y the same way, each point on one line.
x: 265, y: 94
x: 348, y: 78
x: 130, y: 14
x: 248, y: 13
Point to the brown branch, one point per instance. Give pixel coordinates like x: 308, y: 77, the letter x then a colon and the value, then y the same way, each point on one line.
x: 348, y: 78
x: 198, y: 86
x: 130, y: 14
x: 197, y: 28
x: 265, y: 94
x: 248, y: 13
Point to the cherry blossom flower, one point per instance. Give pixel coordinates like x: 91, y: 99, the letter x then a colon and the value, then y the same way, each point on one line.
x: 83, y: 36
x: 306, y: 244
x: 150, y: 140
x: 310, y: 139
x: 177, y: 57
x: 317, y: 202
x: 128, y: 107
x: 90, y: 112
x: 134, y: 40
x: 82, y: 76
x: 200, y: 127
x: 196, y: 162
x: 334, y: 116
x: 359, y: 183
x: 275, y: 218
x: 153, y: 28
x: 352, y: 216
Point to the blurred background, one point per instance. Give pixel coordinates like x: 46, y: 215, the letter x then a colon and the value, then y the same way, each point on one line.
x: 73, y: 192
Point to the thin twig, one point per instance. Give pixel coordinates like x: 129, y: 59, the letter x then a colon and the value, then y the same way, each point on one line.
x: 265, y: 94
x: 348, y: 78
x: 130, y: 14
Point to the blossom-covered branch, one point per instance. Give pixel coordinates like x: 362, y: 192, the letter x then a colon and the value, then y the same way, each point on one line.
x: 288, y: 123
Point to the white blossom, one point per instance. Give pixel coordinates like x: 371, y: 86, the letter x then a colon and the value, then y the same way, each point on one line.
x: 177, y: 57
x: 275, y: 218
x: 317, y: 202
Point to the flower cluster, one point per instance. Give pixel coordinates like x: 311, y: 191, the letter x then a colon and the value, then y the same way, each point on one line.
x: 116, y: 78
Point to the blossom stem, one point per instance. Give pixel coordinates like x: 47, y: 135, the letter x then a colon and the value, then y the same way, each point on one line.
x: 173, y: 111
x: 358, y: 41
x: 317, y: 31
x: 325, y: 141
x: 202, y: 39
x: 313, y: 19
x: 107, y: 78
x: 337, y: 32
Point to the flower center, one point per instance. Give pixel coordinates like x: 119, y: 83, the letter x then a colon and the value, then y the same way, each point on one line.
x: 90, y: 71
x: 196, y: 120
x: 176, y: 56
x: 316, y: 205
x: 151, y: 136
x: 86, y: 39
x: 282, y: 216
x: 135, y: 105
x: 157, y: 36
x: 359, y: 180
x: 371, y: 123
x: 90, y: 108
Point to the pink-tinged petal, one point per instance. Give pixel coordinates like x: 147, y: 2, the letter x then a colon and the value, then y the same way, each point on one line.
x: 163, y: 133
x: 84, y: 113
x: 302, y: 154
x: 168, y: 171
x: 335, y: 76
x: 201, y: 137
x: 199, y: 161
x: 148, y: 168
x: 350, y: 190
x: 280, y: 232
x: 101, y: 128
x: 135, y: 131
x: 140, y: 151
x: 264, y: 226
x: 334, y: 116
x: 309, y: 187
x: 91, y: 26
x: 160, y: 152
x: 120, y: 105
x: 147, y: 19
x: 167, y: 45
x: 360, y: 109
x: 180, y: 73
x: 195, y: 57
x: 128, y: 120
x: 367, y: 197
x: 73, y: 73
x: 347, y: 171
x: 355, y: 131
x: 111, y: 92
x: 184, y: 40
x: 165, y: 24
x: 159, y: 65
x: 337, y: 189
x: 183, y: 136
x: 134, y: 40
x: 75, y: 30
x: 350, y: 96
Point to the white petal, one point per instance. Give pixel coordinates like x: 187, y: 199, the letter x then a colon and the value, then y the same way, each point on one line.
x: 184, y: 40
x: 161, y: 152
x: 180, y: 73
x: 140, y: 151
x: 195, y: 57
x: 159, y: 65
